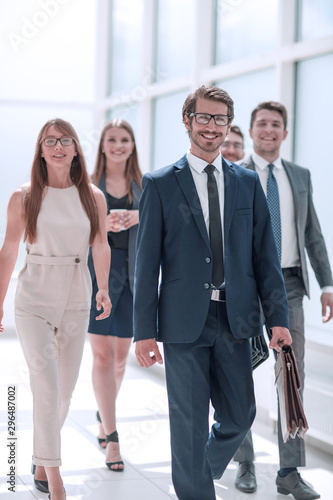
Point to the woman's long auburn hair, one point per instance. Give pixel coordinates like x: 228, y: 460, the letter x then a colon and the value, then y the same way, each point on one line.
x: 132, y: 171
x: 39, y: 180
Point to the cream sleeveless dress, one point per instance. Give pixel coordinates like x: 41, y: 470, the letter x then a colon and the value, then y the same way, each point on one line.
x: 55, y: 276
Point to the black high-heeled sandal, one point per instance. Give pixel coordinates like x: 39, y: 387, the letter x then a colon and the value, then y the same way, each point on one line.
x: 39, y: 485
x: 49, y: 497
x: 113, y: 438
x: 100, y: 440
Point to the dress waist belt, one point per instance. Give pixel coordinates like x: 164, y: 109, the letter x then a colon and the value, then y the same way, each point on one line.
x: 53, y: 261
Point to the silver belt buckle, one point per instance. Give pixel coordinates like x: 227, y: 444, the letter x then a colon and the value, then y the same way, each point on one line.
x: 216, y: 295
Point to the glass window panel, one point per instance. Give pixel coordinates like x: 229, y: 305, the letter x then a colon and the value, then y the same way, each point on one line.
x: 170, y: 140
x: 247, y: 91
x: 315, y: 19
x: 244, y: 28
x: 19, y: 128
x: 126, y: 45
x: 47, y: 49
x: 174, y: 38
x: 313, y: 139
x: 128, y: 113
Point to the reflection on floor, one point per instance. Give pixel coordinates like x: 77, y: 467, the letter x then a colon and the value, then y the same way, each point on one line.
x: 143, y: 428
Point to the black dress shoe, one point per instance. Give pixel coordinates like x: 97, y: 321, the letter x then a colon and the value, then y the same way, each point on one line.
x: 246, y: 478
x: 294, y: 484
x: 40, y: 485
x: 49, y: 497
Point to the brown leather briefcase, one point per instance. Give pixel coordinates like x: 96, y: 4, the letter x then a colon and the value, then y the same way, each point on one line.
x: 292, y: 416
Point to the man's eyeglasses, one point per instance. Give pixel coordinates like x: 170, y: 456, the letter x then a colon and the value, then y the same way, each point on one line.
x: 204, y: 118
x: 236, y: 145
x: 52, y: 141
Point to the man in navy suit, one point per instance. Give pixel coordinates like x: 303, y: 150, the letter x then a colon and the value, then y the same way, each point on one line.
x: 206, y: 306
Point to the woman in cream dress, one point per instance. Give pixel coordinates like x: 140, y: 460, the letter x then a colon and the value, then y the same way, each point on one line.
x: 60, y: 214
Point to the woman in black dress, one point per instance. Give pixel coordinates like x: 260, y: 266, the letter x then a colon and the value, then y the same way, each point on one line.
x: 117, y: 174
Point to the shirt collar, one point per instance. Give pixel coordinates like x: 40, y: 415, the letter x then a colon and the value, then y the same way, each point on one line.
x: 261, y: 163
x: 198, y: 164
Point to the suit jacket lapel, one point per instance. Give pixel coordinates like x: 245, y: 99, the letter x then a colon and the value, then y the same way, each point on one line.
x: 291, y: 176
x: 102, y: 184
x: 249, y: 163
x: 292, y: 180
x: 293, y: 185
x: 230, y: 194
x: 185, y: 179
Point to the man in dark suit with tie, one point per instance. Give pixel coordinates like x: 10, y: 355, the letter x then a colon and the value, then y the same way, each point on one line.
x: 296, y: 228
x: 206, y: 306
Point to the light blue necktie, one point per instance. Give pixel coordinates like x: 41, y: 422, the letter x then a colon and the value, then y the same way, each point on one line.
x: 273, y: 201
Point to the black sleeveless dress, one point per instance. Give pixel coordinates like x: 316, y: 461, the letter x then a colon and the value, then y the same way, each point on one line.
x: 119, y: 323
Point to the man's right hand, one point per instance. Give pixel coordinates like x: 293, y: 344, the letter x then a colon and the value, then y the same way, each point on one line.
x: 148, y: 353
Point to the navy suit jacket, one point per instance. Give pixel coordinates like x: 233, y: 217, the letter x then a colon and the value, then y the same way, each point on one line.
x: 173, y: 249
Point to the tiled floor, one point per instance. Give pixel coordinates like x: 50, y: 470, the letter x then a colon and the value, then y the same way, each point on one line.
x: 144, y: 436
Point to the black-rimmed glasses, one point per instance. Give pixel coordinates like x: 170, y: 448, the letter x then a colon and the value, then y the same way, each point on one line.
x: 204, y: 118
x: 52, y: 141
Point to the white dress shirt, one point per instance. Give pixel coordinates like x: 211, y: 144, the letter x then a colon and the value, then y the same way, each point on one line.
x: 197, y: 167
x: 290, y: 255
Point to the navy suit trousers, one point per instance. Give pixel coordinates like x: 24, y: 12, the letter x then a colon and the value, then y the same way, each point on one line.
x: 216, y: 367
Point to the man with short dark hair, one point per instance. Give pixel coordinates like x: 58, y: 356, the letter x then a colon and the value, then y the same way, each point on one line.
x: 233, y: 147
x: 296, y: 229
x: 205, y: 224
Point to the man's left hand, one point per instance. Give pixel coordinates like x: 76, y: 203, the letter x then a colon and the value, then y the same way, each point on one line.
x: 280, y: 337
x: 326, y: 306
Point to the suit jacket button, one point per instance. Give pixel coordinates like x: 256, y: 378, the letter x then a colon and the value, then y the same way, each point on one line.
x: 77, y: 260
x: 207, y: 260
x: 206, y: 286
